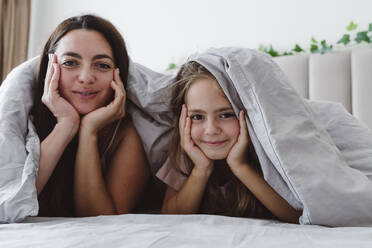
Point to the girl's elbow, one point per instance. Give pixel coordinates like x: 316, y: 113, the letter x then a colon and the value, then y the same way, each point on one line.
x: 293, y: 217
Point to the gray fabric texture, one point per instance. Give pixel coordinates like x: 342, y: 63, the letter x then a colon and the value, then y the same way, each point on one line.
x: 315, y: 155
x: 19, y: 146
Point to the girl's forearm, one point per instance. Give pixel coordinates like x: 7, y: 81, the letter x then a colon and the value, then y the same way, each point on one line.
x: 188, y: 199
x: 90, y: 192
x: 51, y: 150
x: 267, y: 195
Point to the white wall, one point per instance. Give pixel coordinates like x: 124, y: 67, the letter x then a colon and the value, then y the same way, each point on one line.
x: 164, y: 31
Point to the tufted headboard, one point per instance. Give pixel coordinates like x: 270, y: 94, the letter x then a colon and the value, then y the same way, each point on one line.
x: 344, y: 77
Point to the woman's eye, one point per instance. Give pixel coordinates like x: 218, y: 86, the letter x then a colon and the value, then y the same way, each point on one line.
x: 69, y: 63
x: 196, y: 117
x: 103, y: 66
x: 227, y: 115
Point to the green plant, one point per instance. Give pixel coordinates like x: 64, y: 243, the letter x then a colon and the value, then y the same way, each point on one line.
x: 322, y: 46
x: 172, y: 66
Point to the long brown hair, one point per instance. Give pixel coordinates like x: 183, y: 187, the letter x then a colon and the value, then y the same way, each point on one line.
x: 235, y: 199
x: 56, y: 199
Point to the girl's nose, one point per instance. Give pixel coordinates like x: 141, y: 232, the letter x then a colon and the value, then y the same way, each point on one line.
x: 86, y: 75
x: 212, y: 127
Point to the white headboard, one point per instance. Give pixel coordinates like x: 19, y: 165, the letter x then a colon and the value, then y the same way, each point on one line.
x: 344, y: 77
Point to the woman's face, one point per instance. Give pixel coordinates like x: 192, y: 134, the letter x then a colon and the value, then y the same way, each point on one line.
x: 87, y: 69
x: 214, y: 126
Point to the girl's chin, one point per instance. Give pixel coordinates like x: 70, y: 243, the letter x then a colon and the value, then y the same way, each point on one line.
x: 216, y: 156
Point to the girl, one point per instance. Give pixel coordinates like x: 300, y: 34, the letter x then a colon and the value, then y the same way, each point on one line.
x: 92, y: 161
x: 215, y: 168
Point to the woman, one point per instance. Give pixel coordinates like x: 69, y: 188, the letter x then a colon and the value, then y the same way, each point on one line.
x: 92, y: 161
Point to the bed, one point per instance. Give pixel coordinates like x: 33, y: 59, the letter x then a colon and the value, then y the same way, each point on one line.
x: 347, y: 75
x: 143, y: 230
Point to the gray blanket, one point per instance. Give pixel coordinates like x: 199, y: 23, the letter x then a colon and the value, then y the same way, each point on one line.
x: 315, y: 155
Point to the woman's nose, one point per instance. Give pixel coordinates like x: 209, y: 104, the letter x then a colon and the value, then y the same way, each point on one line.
x: 86, y: 75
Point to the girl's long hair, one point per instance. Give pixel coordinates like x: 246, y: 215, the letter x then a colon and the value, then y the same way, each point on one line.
x: 56, y: 199
x: 225, y: 194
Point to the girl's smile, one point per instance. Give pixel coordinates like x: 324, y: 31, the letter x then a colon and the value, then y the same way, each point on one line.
x: 214, y: 143
x: 215, y: 128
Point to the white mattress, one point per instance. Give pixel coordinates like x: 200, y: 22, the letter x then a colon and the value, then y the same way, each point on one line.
x: 137, y: 230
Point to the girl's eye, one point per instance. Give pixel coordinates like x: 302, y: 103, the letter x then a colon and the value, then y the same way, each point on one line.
x: 227, y: 115
x: 69, y: 63
x: 103, y: 66
x: 196, y: 117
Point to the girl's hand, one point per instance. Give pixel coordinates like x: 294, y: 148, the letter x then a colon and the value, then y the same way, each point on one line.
x: 99, y: 118
x: 237, y: 155
x: 60, y: 107
x: 201, y: 162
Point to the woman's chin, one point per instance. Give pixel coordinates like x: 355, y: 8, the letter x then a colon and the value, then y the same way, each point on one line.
x: 83, y: 111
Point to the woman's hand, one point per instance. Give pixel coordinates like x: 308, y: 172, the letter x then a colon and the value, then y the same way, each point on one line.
x: 201, y: 162
x: 99, y: 118
x: 237, y: 156
x: 60, y: 107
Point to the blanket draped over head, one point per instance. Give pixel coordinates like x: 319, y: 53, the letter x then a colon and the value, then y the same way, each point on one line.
x: 314, y: 154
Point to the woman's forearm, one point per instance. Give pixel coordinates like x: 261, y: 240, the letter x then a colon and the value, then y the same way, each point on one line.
x: 51, y: 150
x: 90, y: 193
x: 188, y: 199
x: 267, y: 195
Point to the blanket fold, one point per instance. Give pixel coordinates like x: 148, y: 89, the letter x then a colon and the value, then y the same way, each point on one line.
x: 19, y: 145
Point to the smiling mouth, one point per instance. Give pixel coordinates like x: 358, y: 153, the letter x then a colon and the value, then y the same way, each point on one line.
x: 86, y: 94
x: 214, y: 143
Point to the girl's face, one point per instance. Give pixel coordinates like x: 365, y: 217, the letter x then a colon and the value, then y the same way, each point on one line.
x: 214, y: 127
x: 87, y: 68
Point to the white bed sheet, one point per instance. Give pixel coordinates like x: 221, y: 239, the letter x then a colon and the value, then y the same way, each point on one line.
x: 145, y: 230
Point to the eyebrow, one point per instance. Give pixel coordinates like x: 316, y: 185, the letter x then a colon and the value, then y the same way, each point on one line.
x: 98, y: 56
x: 216, y: 111
x: 102, y: 56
